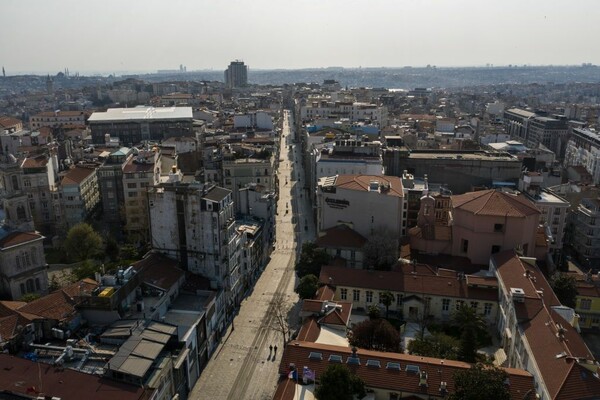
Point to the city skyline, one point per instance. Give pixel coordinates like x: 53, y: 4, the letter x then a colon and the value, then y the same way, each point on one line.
x: 120, y: 37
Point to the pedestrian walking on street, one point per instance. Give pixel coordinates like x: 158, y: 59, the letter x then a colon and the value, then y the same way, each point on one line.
x: 271, y: 349
x: 275, y: 349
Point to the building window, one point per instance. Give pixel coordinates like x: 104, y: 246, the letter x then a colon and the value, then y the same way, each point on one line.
x: 459, y: 304
x: 495, y: 249
x: 399, y: 299
x: 369, y: 296
x: 585, y: 304
x: 356, y: 295
x: 37, y: 283
x: 487, y: 309
x: 132, y: 186
x: 498, y: 227
x: 445, y: 304
x: 22, y: 289
x: 464, y: 245
x: 474, y: 305
x: 343, y: 293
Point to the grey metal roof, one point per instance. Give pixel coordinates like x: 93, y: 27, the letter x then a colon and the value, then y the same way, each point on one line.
x: 216, y: 194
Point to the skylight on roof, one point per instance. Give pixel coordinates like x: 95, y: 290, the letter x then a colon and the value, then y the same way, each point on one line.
x: 413, y: 368
x: 353, y: 361
x: 394, y: 366
x: 374, y: 363
x: 315, y: 356
x: 335, y: 358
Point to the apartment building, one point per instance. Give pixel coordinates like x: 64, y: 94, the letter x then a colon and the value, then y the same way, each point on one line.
x: 585, y: 241
x: 80, y: 194
x: 540, y: 335
x: 240, y: 172
x: 553, y: 209
x: 236, y: 75
x: 140, y: 172
x: 583, y: 149
x: 57, y: 119
x: 110, y: 180
x: 195, y: 224
x: 316, y: 108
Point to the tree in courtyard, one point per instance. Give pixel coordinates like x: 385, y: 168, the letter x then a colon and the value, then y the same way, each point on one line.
x: 565, y: 288
x: 381, y: 249
x: 337, y: 382
x: 437, y: 345
x: 387, y: 298
x: 377, y: 334
x: 374, y: 312
x: 480, y: 382
x: 307, y: 288
x: 471, y: 326
x: 83, y: 242
x: 312, y: 258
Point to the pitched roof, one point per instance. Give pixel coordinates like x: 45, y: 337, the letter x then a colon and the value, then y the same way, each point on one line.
x: 494, y: 203
x: 297, y: 353
x: 341, y: 236
x: 361, y: 183
x: 8, y: 122
x: 325, y: 293
x: 57, y: 306
x: 35, y: 162
x: 77, y: 175
x: 309, y: 331
x: 17, y: 238
x: 557, y: 349
x: 424, y: 281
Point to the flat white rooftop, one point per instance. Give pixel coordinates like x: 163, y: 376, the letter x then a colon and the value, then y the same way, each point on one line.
x: 142, y: 113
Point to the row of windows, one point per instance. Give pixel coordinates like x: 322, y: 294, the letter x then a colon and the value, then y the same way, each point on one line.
x: 30, y: 286
x: 400, y: 297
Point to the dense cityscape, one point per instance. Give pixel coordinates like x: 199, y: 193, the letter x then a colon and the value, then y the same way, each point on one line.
x: 331, y: 233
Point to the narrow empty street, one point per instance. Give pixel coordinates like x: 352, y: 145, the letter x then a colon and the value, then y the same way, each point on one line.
x: 243, y: 367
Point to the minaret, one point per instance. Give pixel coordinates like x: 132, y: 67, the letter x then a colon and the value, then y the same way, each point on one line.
x: 49, y: 85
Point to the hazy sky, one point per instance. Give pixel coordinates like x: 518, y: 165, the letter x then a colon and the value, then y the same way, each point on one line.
x: 146, y: 35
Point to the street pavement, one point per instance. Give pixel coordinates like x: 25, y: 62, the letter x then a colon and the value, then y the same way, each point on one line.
x: 243, y: 367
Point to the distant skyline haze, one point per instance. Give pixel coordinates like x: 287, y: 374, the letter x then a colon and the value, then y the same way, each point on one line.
x: 144, y: 36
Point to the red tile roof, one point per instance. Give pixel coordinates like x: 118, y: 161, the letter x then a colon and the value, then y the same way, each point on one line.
x: 28, y: 378
x: 77, y: 175
x: 541, y: 326
x: 309, y: 331
x: 297, y: 352
x: 35, y: 162
x: 325, y: 293
x: 494, y: 202
x: 57, y: 306
x: 404, y: 280
x: 341, y: 236
x: 17, y: 238
x: 8, y: 122
x: 361, y: 183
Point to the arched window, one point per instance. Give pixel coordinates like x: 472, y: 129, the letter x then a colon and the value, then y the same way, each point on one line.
x: 30, y: 285
x: 21, y: 212
x: 27, y: 260
x: 18, y: 261
x: 37, y: 283
x: 34, y: 256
